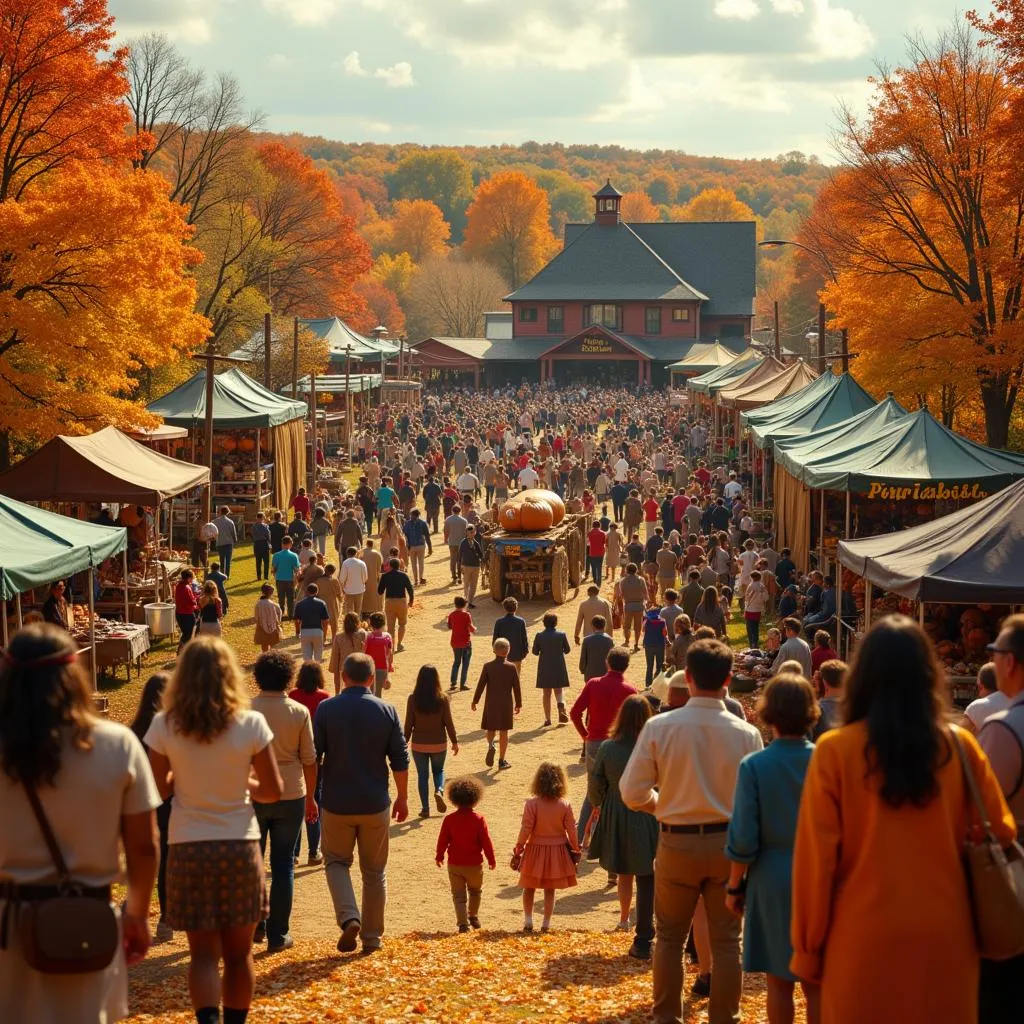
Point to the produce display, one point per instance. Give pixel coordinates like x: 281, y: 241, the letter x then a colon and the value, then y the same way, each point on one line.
x: 531, y: 511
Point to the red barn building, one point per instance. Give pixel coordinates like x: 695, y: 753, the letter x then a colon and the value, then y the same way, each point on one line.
x: 619, y: 303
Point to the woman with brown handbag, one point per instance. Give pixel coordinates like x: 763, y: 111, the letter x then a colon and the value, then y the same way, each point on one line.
x: 56, y: 759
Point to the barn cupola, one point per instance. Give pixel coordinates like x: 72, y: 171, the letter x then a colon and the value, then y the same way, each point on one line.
x: 606, y: 208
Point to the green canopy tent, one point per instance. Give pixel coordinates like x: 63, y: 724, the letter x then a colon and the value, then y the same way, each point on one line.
x: 38, y: 547
x: 745, y: 361
x: 241, y: 403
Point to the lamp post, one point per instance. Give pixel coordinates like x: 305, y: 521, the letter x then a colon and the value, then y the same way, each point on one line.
x: 378, y: 336
x: 823, y: 261
x: 348, y: 402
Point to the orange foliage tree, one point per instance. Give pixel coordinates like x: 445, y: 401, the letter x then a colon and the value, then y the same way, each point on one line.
x: 94, y: 288
x: 508, y: 226
x: 637, y: 208
x: 380, y: 307
x: 418, y: 227
x: 714, y: 204
x: 930, y: 201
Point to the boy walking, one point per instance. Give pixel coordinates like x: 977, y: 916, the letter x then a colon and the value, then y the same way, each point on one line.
x: 465, y: 837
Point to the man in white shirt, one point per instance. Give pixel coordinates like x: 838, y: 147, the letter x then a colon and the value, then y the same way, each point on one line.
x: 528, y: 477
x: 794, y: 648
x: 990, y: 698
x: 732, y: 489
x: 621, y: 470
x: 352, y: 577
x: 466, y: 483
x: 683, y: 771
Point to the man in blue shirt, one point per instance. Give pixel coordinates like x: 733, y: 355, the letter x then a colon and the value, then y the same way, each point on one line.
x: 417, y: 537
x: 220, y: 579
x: 285, y: 564
x: 261, y: 541
x: 359, y: 736
x: 385, y: 501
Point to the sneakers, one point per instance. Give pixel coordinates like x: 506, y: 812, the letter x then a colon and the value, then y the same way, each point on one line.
x: 313, y: 859
x: 640, y: 950
x: 702, y: 986
x: 439, y: 801
x: 463, y: 687
x: 452, y: 688
x: 349, y: 936
x: 425, y: 813
x: 489, y: 757
x: 281, y: 944
x: 463, y: 928
x: 474, y: 923
x: 503, y: 764
x: 563, y: 717
x: 623, y: 926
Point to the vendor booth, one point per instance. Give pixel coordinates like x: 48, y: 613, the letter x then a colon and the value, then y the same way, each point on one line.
x: 702, y: 358
x: 894, y: 469
x: 965, y: 571
x: 38, y: 548
x: 259, y: 455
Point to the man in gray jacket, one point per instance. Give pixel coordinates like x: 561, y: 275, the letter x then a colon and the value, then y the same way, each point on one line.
x: 227, y: 538
x: 594, y: 649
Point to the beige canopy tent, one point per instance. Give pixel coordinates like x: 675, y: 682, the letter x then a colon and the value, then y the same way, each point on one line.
x: 754, y: 394
x: 105, y: 466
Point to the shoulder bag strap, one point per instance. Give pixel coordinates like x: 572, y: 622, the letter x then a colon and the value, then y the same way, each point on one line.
x: 1010, y: 728
x: 51, y: 840
x: 972, y: 786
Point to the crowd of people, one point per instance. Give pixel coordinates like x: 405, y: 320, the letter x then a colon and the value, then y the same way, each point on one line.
x: 818, y: 843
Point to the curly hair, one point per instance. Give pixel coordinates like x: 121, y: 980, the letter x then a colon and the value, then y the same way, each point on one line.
x: 206, y: 691
x: 467, y: 791
x: 550, y: 782
x: 43, y: 692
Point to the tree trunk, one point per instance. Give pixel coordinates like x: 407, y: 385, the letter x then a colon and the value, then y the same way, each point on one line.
x: 5, y: 449
x: 997, y: 398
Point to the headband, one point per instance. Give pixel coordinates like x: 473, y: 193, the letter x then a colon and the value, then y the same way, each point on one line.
x: 43, y: 662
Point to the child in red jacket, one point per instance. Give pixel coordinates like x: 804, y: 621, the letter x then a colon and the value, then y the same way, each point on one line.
x: 465, y: 837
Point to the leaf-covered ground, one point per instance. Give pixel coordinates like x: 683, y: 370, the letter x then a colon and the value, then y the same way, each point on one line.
x: 564, y: 977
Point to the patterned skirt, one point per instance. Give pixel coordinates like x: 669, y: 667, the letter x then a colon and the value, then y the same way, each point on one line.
x: 215, y: 884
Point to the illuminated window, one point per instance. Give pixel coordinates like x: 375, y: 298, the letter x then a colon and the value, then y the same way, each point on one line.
x: 680, y: 314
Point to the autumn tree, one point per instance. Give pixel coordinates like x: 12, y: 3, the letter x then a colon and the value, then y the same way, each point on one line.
x: 637, y: 208
x: 507, y: 226
x: 929, y: 194
x: 441, y: 176
x: 396, y: 273
x: 94, y: 290
x: 714, y: 204
x: 380, y: 306
x: 450, y: 295
x: 418, y: 227
x: 313, y: 354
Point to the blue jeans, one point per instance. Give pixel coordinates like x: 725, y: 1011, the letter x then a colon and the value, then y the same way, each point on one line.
x: 312, y: 827
x: 595, y: 563
x: 655, y: 662
x: 428, y: 765
x: 282, y: 822
x: 753, y: 629
x: 224, y: 553
x: 462, y: 656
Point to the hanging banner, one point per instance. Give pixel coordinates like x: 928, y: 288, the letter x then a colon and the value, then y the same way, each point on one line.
x: 937, y: 491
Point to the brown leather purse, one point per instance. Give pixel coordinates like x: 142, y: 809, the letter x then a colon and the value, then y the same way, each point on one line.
x: 73, y: 931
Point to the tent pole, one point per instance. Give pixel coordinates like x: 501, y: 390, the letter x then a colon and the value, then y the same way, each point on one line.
x: 5, y: 622
x: 764, y: 478
x: 847, y: 534
x: 92, y: 623
x: 920, y: 614
x: 17, y: 609
x: 259, y: 478
x: 821, y: 534
x: 124, y: 566
x: 868, y: 588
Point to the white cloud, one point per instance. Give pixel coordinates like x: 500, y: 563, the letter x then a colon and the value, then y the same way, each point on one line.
x: 839, y: 34
x: 640, y: 102
x: 788, y: 6
x: 184, y: 21
x: 378, y: 127
x: 739, y: 10
x: 352, y: 65
x: 398, y: 76
x: 305, y: 12
x: 279, y: 60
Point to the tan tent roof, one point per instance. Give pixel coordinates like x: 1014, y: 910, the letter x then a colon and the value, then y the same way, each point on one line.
x: 105, y: 466
x: 756, y: 393
x: 766, y: 369
x: 165, y: 432
x: 705, y: 355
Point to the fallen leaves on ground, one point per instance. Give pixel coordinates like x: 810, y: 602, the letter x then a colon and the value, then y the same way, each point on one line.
x: 494, y: 977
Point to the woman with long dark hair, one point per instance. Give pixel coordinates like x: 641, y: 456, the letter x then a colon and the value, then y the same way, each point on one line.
x: 428, y: 727
x: 149, y: 705
x: 709, y: 612
x: 97, y: 795
x: 624, y: 841
x: 878, y: 863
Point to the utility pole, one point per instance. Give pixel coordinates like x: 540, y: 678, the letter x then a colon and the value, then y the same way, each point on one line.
x: 348, y: 402
x: 295, y: 358
x: 312, y: 409
x: 821, y: 337
x: 846, y: 350
x: 778, y: 338
x: 266, y: 350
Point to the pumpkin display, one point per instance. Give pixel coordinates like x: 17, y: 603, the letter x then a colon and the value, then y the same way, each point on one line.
x: 509, y: 517
x: 535, y: 515
x: 247, y: 444
x: 552, y: 499
x: 228, y: 444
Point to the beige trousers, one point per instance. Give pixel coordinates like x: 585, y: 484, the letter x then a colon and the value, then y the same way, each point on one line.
x: 465, y: 878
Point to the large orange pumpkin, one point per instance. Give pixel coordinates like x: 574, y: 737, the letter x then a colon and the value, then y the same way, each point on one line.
x: 552, y: 499
x: 535, y: 515
x: 228, y: 444
x: 247, y: 444
x: 509, y: 517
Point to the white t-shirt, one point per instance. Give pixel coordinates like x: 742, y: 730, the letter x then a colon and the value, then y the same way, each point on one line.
x: 528, y: 477
x: 466, y: 482
x: 748, y: 559
x: 352, y: 576
x: 733, y: 489
x: 306, y: 555
x: 980, y: 710
x: 621, y: 469
x: 211, y: 780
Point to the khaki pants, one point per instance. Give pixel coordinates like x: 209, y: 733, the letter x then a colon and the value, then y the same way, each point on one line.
x: 686, y: 868
x: 342, y: 835
x: 417, y: 559
x: 353, y: 603
x: 453, y: 562
x: 649, y: 528
x: 631, y: 622
x: 396, y: 609
x: 470, y: 576
x: 463, y: 877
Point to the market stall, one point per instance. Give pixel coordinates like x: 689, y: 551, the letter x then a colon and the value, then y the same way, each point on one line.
x: 38, y: 547
x: 702, y: 358
x: 259, y: 449
x: 893, y: 471
x: 973, y: 557
x: 699, y: 388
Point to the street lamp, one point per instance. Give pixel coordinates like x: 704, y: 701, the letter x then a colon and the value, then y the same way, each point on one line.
x: 348, y: 401
x: 823, y: 261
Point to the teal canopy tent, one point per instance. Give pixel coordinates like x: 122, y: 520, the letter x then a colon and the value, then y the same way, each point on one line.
x: 724, y: 375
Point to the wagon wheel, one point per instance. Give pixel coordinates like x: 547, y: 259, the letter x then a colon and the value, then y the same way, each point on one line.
x: 496, y: 575
x: 574, y: 551
x: 560, y: 577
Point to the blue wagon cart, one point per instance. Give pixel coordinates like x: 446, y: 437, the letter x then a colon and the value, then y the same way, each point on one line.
x: 533, y: 565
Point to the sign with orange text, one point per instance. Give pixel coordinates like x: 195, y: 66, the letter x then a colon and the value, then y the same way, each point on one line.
x: 938, y: 491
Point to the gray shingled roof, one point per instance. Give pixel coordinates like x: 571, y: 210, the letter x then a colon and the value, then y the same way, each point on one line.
x: 500, y: 350
x: 608, y: 263
x: 603, y: 263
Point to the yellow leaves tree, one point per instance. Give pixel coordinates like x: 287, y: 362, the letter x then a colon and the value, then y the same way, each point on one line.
x: 394, y: 272
x: 713, y: 204
x: 637, y: 208
x: 927, y: 218
x: 508, y: 226
x: 418, y: 227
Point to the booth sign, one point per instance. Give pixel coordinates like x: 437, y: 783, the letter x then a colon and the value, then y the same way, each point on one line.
x: 926, y: 492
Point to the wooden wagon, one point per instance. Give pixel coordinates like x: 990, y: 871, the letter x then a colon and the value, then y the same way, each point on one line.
x: 537, y: 564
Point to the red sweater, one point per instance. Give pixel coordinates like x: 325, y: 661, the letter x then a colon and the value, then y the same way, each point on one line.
x: 600, y: 699
x: 464, y: 835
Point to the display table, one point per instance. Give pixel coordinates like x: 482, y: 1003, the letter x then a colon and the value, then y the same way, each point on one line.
x: 125, y: 646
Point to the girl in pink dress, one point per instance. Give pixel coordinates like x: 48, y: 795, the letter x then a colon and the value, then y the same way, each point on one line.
x: 547, y: 842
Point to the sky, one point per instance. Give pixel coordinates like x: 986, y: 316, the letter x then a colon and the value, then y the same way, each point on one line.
x: 732, y: 78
